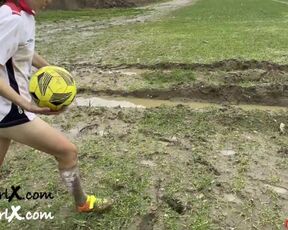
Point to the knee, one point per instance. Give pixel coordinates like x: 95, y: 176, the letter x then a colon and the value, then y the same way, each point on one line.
x: 72, y: 153
x: 68, y: 155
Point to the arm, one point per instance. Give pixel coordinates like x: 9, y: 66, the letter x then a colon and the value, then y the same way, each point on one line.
x: 9, y: 40
x: 10, y: 94
x: 39, y: 61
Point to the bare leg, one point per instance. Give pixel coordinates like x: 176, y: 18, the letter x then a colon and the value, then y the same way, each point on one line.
x: 41, y: 136
x: 4, y: 145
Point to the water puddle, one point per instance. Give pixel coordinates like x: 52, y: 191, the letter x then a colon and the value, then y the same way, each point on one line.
x: 124, y: 102
x: 110, y: 103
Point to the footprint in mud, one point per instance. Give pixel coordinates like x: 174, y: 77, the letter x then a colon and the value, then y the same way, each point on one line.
x: 147, y: 221
x: 175, y: 204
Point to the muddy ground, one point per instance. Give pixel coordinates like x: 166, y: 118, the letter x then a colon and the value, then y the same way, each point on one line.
x: 227, y: 81
x: 212, y: 168
x: 207, y: 168
x: 79, y: 4
x: 172, y: 167
x: 231, y: 81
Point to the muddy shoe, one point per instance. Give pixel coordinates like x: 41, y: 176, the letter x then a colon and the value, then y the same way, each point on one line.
x: 94, y: 204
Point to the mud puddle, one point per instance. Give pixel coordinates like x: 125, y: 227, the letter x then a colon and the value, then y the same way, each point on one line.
x: 129, y: 102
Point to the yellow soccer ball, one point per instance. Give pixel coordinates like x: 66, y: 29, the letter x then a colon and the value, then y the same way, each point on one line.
x: 52, y: 87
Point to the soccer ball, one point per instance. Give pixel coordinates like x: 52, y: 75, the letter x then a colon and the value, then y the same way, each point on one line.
x: 52, y: 87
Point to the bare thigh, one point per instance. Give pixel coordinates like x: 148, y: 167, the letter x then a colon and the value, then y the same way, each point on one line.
x: 4, y: 145
x: 41, y: 136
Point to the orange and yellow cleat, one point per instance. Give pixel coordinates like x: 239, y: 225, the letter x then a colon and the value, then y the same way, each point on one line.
x: 94, y: 204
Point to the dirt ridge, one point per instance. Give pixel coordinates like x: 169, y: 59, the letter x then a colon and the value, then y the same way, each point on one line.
x: 225, y: 65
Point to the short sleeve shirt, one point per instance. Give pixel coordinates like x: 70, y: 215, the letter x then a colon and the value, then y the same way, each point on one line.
x: 17, y: 43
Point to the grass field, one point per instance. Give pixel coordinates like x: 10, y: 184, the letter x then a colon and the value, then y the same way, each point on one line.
x: 154, y: 178
x: 209, y: 31
x: 167, y: 167
x: 205, y: 32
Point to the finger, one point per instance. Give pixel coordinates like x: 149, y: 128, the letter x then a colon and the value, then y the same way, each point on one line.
x: 47, y: 111
x: 42, y: 110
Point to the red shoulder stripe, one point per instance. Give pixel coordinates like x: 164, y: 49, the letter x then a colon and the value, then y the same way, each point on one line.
x: 15, y: 9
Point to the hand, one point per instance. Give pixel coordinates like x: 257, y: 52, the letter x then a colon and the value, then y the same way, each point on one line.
x: 31, y: 107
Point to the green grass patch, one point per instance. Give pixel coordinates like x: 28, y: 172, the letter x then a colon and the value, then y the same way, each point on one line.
x: 112, y: 165
x: 104, y: 174
x: 205, y: 32
x: 172, y: 121
x: 160, y: 79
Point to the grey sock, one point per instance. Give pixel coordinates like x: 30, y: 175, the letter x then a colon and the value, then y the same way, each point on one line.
x: 72, y: 181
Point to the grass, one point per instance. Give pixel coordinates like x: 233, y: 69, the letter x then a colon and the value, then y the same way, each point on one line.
x: 161, y: 79
x: 216, y: 30
x: 205, y: 32
x: 112, y: 165
x: 168, y: 158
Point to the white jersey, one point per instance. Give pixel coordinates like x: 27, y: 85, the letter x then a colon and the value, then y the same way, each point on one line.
x: 17, y: 42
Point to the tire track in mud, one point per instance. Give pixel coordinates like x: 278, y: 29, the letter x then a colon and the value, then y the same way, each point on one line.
x: 224, y: 65
x: 269, y: 82
x: 271, y: 96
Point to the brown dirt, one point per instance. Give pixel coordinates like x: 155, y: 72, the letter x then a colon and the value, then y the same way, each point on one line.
x: 230, y: 81
x: 226, y: 65
x: 271, y: 95
x: 76, y: 4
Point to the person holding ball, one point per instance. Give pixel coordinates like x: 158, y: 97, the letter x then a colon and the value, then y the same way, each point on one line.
x: 18, y: 119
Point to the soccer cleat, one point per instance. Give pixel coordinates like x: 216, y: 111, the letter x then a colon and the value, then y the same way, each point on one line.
x: 94, y: 204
